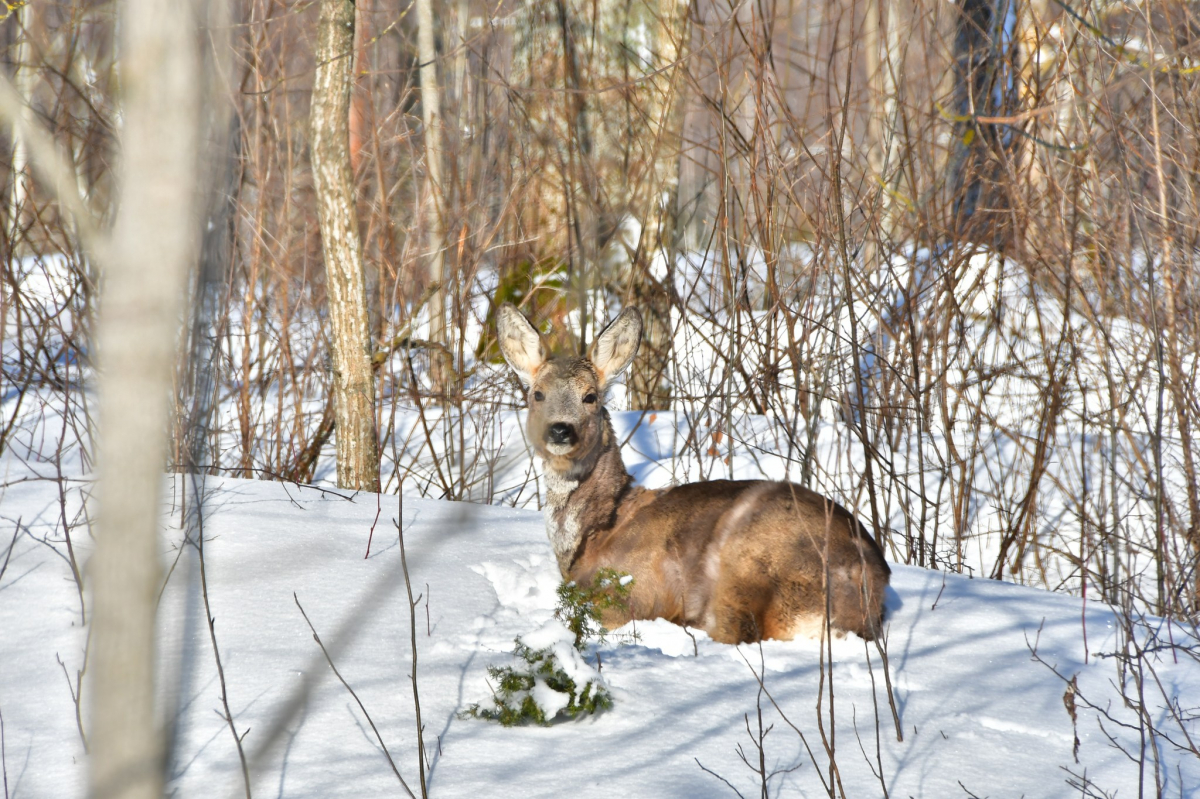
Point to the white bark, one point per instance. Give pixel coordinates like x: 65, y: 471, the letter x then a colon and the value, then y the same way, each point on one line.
x: 431, y: 115
x: 884, y: 68
x: 345, y: 283
x: 23, y: 79
x: 153, y: 247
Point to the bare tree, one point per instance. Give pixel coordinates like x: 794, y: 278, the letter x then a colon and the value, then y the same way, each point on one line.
x: 354, y: 381
x: 154, y: 246
x: 431, y: 118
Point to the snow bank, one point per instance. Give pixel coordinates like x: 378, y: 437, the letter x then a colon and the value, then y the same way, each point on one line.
x: 974, y: 705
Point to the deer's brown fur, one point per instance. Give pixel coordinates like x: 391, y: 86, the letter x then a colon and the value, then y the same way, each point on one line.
x: 743, y: 560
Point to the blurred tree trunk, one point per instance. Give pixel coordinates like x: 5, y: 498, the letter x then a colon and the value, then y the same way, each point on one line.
x: 154, y: 245
x: 431, y: 117
x: 197, y: 442
x: 23, y: 79
x: 353, y: 379
x: 985, y: 53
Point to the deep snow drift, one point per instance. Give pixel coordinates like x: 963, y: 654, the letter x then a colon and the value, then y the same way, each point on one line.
x: 979, y: 714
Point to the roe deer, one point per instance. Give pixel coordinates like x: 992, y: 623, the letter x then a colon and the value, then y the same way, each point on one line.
x: 743, y: 560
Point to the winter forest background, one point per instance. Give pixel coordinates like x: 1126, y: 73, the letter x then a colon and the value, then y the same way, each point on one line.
x: 937, y: 260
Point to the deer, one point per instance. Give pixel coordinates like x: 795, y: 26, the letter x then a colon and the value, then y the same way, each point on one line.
x: 743, y: 560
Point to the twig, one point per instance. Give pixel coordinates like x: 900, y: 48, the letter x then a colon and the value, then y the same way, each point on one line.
x: 759, y: 740
x: 11, y: 546
x: 695, y: 646
x: 970, y: 794
x: 881, y: 648
x: 412, y: 626
x: 76, y: 690
x: 62, y: 509
x: 812, y: 758
x: 718, y: 776
x: 342, y: 636
x: 212, y: 635
x: 878, y: 747
x: 53, y: 168
x: 3, y: 755
x: 361, y: 707
x: 375, y: 521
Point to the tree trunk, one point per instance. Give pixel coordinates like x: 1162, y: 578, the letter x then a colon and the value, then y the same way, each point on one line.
x: 985, y: 53
x: 885, y: 70
x: 345, y: 286
x: 585, y: 216
x: 431, y: 116
x: 154, y: 245
x: 23, y: 79
x: 649, y: 377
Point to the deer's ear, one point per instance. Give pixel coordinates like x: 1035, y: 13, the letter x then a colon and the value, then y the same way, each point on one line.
x: 613, y: 351
x: 520, y: 343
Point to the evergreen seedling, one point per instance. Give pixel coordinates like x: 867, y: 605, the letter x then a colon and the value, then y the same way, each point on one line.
x: 551, y: 683
x: 582, y: 608
x: 516, y: 691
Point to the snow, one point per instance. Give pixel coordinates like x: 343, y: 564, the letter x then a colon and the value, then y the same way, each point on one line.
x: 981, y: 670
x: 977, y: 710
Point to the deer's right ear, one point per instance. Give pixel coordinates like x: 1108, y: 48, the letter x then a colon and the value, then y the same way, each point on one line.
x: 520, y: 343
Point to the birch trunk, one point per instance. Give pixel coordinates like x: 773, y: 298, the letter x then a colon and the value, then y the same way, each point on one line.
x: 23, y: 79
x: 345, y: 286
x: 154, y: 246
x: 885, y: 70
x: 431, y: 117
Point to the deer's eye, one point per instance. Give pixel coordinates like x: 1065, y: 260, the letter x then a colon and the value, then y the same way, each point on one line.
x: 590, y: 399
x: 538, y: 396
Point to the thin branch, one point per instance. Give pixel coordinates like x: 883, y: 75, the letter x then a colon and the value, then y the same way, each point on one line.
x: 3, y: 756
x: 212, y: 634
x: 718, y: 776
x: 11, y: 546
x: 53, y: 168
x: 361, y: 707
x: 412, y: 626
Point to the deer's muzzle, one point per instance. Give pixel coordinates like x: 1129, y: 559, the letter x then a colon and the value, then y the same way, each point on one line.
x: 561, y: 433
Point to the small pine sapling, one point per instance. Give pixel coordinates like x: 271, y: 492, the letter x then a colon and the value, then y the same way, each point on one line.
x: 582, y: 608
x: 539, y: 690
x: 550, y: 680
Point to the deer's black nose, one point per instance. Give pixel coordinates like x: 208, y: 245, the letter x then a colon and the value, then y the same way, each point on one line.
x: 560, y: 433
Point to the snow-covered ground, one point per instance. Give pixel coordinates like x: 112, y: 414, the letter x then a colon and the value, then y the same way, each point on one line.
x: 982, y: 671
x: 979, y: 714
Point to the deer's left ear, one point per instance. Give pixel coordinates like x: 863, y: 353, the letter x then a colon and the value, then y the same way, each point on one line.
x: 613, y: 351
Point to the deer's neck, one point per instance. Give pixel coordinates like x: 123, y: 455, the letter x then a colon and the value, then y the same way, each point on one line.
x: 587, y: 498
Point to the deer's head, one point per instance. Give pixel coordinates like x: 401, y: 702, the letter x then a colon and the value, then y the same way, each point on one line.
x: 565, y: 393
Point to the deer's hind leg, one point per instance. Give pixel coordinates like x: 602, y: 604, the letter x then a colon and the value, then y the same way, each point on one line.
x: 756, y: 602
x: 738, y: 606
